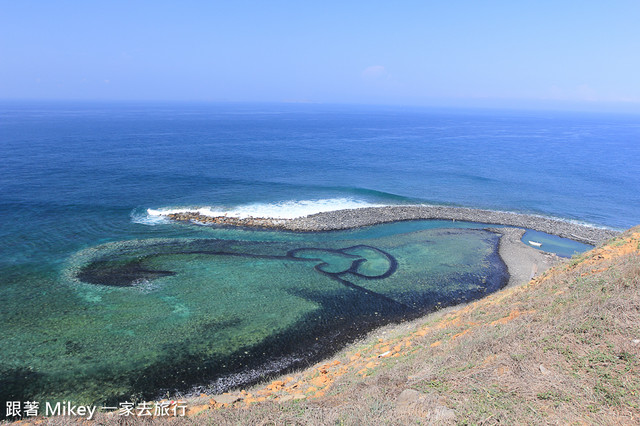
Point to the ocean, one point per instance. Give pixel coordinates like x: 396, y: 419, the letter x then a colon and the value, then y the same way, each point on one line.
x: 106, y: 300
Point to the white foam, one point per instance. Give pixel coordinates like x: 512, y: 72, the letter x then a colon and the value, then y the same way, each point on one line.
x: 148, y: 219
x: 290, y: 209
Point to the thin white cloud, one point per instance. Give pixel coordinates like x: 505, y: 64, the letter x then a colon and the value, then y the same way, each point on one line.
x: 375, y: 72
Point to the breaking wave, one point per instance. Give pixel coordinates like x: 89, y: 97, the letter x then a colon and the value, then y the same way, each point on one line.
x: 289, y: 209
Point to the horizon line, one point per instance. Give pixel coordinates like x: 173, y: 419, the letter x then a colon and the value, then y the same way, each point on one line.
x: 510, y: 104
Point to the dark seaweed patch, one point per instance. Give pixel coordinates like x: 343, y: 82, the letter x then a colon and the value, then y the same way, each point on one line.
x: 118, y: 273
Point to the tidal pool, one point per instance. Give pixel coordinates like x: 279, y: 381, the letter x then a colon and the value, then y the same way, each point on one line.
x: 135, y: 319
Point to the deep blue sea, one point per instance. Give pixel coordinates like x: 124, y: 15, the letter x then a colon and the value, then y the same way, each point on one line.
x: 81, y: 187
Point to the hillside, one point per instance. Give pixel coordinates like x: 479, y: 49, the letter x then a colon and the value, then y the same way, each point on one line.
x: 563, y: 348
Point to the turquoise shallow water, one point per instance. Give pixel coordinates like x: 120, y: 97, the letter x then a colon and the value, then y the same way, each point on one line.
x: 131, y: 319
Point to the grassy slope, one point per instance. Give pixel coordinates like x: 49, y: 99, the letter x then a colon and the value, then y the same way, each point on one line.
x: 563, y: 348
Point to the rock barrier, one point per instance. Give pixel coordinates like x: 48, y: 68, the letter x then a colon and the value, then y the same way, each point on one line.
x: 354, y: 218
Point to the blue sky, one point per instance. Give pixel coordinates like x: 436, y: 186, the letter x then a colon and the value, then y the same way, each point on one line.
x: 405, y: 52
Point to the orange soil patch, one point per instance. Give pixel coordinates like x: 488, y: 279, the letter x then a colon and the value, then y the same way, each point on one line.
x: 617, y: 248
x: 512, y: 315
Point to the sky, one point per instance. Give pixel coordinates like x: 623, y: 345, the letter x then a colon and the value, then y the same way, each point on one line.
x: 455, y: 52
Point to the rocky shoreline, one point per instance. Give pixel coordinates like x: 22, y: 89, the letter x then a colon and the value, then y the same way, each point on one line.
x: 354, y: 218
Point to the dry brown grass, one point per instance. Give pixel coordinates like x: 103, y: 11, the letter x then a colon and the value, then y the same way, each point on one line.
x: 562, y: 349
